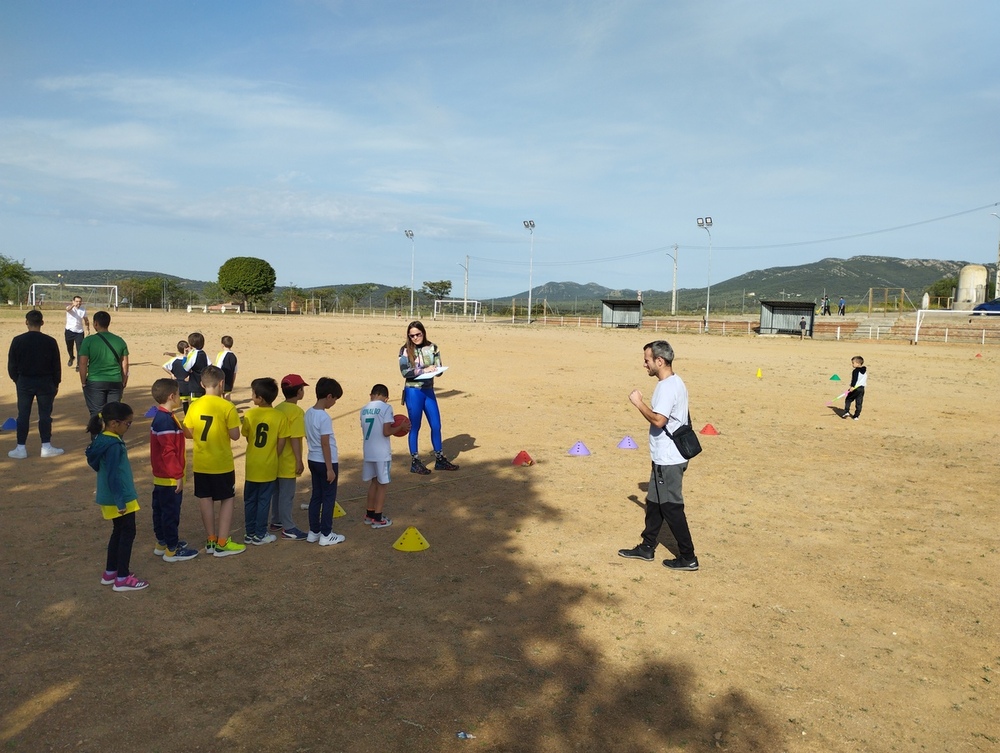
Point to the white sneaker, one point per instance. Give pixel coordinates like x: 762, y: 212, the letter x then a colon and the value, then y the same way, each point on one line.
x: 18, y: 453
x: 304, y: 506
x: 312, y: 537
x: 267, y: 538
x: 51, y: 452
x: 333, y: 538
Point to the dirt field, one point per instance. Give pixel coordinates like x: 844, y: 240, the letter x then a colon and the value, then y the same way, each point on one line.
x: 847, y: 598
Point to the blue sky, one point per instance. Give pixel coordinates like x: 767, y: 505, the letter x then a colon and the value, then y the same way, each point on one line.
x: 170, y: 136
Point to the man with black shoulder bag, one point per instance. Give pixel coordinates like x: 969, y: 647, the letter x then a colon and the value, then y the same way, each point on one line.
x: 670, y: 447
x: 103, y: 360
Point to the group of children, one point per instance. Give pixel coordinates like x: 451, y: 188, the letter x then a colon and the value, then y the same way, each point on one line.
x: 189, y: 362
x: 274, y: 459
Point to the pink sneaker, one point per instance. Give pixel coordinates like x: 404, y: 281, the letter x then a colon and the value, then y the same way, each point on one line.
x: 131, y: 583
x: 108, y: 577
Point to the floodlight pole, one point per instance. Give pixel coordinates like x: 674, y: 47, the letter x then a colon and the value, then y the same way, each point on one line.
x: 413, y: 261
x: 705, y: 223
x: 996, y: 285
x: 673, y: 298
x: 529, y: 225
x: 465, y: 298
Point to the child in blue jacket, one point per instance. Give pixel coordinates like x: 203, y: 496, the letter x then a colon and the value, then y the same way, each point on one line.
x: 116, y: 495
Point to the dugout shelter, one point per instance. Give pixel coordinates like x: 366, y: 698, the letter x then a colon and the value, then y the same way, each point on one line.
x: 783, y: 317
x: 621, y: 313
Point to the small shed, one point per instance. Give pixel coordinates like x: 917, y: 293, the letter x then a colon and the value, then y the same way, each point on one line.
x: 621, y: 313
x: 784, y: 317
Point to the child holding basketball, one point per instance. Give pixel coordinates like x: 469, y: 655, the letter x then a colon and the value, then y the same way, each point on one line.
x: 266, y: 430
x: 116, y: 495
x: 323, y: 463
x: 376, y: 428
x: 213, y: 423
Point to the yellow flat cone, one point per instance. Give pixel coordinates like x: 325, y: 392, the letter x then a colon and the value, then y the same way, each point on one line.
x: 338, y: 511
x: 411, y: 541
x: 759, y: 374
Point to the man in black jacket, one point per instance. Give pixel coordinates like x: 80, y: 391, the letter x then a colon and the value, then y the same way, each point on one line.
x: 33, y: 364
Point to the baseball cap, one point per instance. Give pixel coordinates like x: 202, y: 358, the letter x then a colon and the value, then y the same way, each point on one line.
x: 293, y: 380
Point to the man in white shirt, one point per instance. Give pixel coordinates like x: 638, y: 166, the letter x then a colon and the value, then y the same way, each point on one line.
x: 668, y: 411
x: 76, y: 322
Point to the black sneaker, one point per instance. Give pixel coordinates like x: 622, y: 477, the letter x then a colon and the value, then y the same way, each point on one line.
x: 70, y: 361
x: 681, y: 564
x: 443, y: 464
x: 641, y: 552
x: 417, y: 467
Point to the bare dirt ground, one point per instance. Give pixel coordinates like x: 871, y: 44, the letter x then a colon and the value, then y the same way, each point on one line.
x: 847, y: 598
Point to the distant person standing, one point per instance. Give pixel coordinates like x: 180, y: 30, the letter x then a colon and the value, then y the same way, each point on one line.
x: 33, y: 365
x: 842, y: 307
x: 802, y: 328
x: 103, y: 361
x: 76, y: 321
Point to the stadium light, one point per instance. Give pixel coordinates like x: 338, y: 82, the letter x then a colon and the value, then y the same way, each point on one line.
x: 413, y: 259
x: 996, y: 286
x: 705, y: 223
x: 529, y: 225
x: 673, y: 299
x: 465, y: 298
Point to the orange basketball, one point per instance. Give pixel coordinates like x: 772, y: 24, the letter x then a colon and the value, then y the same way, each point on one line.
x: 400, y: 425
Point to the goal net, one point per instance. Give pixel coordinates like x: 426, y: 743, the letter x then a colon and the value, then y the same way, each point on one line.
x: 61, y: 294
x: 457, y: 308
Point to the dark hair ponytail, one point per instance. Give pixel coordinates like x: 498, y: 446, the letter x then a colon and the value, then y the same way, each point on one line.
x: 110, y: 412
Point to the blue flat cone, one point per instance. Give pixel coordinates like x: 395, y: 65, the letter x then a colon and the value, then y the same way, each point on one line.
x: 628, y: 444
x: 579, y: 449
x: 10, y: 424
x: 150, y: 413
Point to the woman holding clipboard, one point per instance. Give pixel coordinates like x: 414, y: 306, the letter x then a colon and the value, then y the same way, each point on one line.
x: 420, y: 362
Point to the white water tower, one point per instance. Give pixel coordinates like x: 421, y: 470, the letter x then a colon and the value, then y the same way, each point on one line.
x: 972, y: 282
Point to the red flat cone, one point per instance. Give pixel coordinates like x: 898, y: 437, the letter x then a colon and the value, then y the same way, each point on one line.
x: 709, y: 430
x: 979, y: 355
x: 523, y: 458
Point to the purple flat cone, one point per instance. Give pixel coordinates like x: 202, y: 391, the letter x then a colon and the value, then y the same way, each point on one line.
x: 628, y: 443
x: 579, y: 449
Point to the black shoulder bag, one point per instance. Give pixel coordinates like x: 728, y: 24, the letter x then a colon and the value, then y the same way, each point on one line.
x: 117, y: 357
x: 685, y: 440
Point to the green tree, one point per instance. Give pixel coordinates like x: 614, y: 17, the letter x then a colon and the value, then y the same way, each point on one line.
x: 397, y: 296
x: 943, y: 288
x: 357, y: 293
x: 15, y: 279
x: 247, y: 278
x: 439, y: 289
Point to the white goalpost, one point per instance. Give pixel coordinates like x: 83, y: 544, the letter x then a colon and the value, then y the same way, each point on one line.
x: 99, y: 296
x: 925, y: 316
x: 457, y: 307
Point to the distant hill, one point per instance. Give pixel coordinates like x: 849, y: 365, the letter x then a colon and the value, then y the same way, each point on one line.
x: 851, y: 278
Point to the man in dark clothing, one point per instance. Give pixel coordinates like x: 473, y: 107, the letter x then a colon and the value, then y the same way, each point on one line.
x: 33, y: 364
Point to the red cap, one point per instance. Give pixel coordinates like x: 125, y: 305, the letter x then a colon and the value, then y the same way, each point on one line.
x: 293, y: 380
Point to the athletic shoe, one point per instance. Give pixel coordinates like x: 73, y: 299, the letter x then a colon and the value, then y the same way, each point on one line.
x: 855, y: 418
x: 294, y: 534
x: 846, y: 415
x: 18, y: 453
x: 247, y: 539
x: 641, y: 552
x: 368, y: 521
x: 108, y: 577
x: 331, y: 539
x: 210, y: 547
x: 70, y: 361
x: 417, y: 467
x: 131, y: 583
x: 229, y: 548
x: 180, y: 554
x: 275, y: 528
x: 681, y: 564
x: 304, y: 506
x: 267, y: 538
x: 312, y: 537
x: 384, y: 523
x: 443, y: 464
x: 51, y: 452
x: 161, y: 547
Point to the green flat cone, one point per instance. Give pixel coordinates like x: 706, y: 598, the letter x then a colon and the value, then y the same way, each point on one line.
x: 835, y: 378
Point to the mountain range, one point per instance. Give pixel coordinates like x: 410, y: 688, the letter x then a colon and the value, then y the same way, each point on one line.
x: 851, y: 278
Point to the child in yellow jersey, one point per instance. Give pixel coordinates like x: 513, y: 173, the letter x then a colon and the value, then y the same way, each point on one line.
x: 266, y: 430
x: 290, y: 461
x: 212, y: 423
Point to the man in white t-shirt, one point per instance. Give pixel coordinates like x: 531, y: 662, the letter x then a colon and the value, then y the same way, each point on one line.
x: 667, y: 412
x: 76, y: 322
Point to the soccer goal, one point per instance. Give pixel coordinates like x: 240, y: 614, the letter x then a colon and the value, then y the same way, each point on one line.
x: 940, y: 323
x: 457, y: 308
x: 62, y: 293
